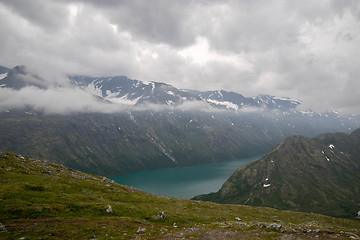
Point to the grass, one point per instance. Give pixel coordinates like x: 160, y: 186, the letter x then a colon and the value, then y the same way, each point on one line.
x: 48, y: 201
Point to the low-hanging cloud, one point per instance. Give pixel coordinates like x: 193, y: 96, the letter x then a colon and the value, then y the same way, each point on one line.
x: 55, y: 101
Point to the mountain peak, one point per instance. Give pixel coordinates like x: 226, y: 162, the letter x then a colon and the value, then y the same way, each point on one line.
x: 312, y: 175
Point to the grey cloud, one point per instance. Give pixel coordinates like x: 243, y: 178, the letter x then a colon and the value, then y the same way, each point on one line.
x: 45, y: 14
x: 303, y: 49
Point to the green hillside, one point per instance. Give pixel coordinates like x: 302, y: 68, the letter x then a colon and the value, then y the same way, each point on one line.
x: 41, y: 200
x: 319, y: 175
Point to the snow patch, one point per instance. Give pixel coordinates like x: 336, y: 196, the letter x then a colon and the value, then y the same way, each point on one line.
x: 2, y: 76
x: 92, y: 88
x: 228, y: 105
x: 294, y: 101
x: 153, y: 86
x: 170, y: 93
x: 331, y: 146
x: 328, y: 159
x: 169, y: 102
x: 266, y: 185
x: 123, y: 100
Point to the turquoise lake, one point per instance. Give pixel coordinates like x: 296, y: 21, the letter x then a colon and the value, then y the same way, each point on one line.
x: 184, y: 182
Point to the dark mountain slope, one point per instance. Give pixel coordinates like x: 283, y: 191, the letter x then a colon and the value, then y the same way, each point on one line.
x: 314, y: 175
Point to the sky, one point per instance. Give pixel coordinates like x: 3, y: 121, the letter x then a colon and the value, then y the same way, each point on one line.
x: 308, y: 50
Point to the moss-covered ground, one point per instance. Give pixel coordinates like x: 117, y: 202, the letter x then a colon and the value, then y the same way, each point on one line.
x: 41, y: 200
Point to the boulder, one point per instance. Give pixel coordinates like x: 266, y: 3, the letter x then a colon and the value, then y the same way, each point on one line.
x: 276, y: 227
x: 109, y: 209
x: 161, y: 215
x: 2, y: 228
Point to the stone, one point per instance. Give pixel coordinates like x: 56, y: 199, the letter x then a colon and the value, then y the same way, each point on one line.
x: 261, y: 225
x: 141, y: 230
x: 109, y: 209
x: 161, y: 215
x: 2, y: 228
x: 237, y: 219
x: 276, y: 227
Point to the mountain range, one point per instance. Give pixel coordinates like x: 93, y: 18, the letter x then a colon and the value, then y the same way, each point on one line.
x: 122, y: 90
x: 319, y: 175
x: 150, y: 124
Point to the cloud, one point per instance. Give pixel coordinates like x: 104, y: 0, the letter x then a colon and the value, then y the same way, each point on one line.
x: 301, y: 49
x: 55, y: 101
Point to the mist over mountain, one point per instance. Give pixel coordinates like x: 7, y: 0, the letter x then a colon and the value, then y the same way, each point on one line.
x: 23, y: 87
x: 115, y: 125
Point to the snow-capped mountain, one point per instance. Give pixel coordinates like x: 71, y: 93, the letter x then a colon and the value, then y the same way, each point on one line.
x: 121, y: 89
x: 235, y: 101
x: 131, y: 92
x: 20, y: 77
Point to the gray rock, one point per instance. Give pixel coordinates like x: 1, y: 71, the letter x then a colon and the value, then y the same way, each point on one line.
x: 276, y: 227
x: 2, y: 228
x: 261, y: 225
x: 109, y: 209
x: 161, y: 215
x: 141, y: 230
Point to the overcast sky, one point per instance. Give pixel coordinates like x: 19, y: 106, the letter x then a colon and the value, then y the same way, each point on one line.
x: 309, y: 50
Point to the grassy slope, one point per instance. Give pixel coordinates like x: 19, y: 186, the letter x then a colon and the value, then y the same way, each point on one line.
x: 43, y: 200
x: 300, y: 177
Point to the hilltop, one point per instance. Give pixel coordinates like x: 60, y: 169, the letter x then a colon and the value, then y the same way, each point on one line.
x: 318, y: 175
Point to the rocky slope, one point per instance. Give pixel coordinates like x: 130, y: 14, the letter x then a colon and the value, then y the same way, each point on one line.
x: 314, y: 175
x: 44, y: 200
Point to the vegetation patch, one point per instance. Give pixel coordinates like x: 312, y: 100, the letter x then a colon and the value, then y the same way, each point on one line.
x: 68, y: 204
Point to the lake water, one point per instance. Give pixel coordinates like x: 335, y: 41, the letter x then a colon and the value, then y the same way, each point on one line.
x: 184, y: 182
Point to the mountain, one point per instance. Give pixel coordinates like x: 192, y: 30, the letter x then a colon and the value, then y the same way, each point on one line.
x: 4, y: 70
x: 236, y: 101
x: 162, y: 126
x: 41, y: 200
x: 123, y: 90
x: 319, y: 175
x: 20, y: 77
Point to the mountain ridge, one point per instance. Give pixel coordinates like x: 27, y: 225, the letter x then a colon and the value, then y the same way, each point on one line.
x: 174, y: 128
x: 132, y: 92
x: 314, y: 175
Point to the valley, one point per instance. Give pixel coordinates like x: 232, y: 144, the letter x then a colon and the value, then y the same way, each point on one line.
x: 95, y: 125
